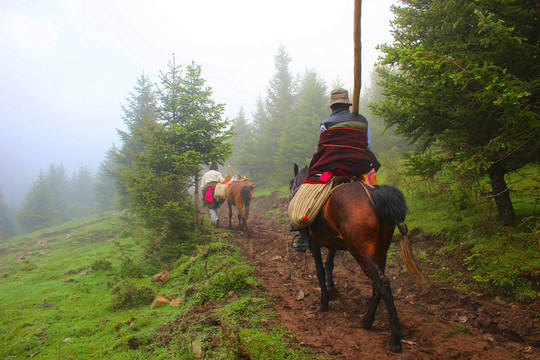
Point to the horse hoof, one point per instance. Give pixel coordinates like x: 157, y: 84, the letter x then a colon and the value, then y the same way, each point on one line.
x: 323, y: 308
x: 333, y: 294
x: 395, y: 345
x: 366, y: 325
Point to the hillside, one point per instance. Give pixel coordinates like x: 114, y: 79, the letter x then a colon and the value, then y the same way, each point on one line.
x: 81, y: 290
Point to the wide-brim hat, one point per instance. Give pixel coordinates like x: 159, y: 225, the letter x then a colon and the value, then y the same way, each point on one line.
x: 339, y: 96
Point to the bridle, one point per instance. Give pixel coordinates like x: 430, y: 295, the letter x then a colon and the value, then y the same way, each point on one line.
x: 294, y: 185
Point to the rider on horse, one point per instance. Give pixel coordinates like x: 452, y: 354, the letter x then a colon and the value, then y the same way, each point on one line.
x: 208, y: 184
x: 344, y: 149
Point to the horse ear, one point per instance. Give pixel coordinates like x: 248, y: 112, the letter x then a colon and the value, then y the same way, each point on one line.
x: 295, y: 169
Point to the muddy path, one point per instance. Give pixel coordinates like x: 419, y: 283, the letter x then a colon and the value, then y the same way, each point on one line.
x: 438, y: 322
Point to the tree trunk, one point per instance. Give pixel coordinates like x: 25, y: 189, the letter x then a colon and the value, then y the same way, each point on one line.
x: 501, y: 194
x: 197, y: 210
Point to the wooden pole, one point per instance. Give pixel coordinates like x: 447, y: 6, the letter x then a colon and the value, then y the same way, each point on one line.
x: 357, y: 56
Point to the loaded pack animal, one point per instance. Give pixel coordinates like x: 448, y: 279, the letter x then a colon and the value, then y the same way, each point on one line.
x: 361, y: 219
x: 239, y: 194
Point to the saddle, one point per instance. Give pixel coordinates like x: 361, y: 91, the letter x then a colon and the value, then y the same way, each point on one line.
x: 310, y: 198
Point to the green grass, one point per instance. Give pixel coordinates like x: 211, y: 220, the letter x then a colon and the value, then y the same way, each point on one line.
x: 457, y: 329
x: 82, y: 290
x: 283, y: 191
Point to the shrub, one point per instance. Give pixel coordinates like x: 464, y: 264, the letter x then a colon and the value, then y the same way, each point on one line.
x: 127, y: 295
x: 236, y: 278
x: 129, y: 269
x: 101, y: 264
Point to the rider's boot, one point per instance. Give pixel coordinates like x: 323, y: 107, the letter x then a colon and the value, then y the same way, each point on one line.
x: 303, y: 243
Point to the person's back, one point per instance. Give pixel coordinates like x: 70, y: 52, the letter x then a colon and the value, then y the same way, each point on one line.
x: 343, y: 149
x: 208, y: 183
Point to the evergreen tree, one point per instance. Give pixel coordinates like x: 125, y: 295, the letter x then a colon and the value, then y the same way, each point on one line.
x: 240, y: 161
x: 274, y: 115
x: 57, y: 181
x: 7, y: 218
x: 82, y: 194
x: 280, y: 94
x: 203, y: 127
x: 461, y: 78
x: 38, y: 207
x: 188, y: 130
x: 383, y: 137
x: 261, y: 161
x: 105, y: 186
x: 140, y: 107
x: 141, y: 104
x: 202, y: 135
x: 299, y: 142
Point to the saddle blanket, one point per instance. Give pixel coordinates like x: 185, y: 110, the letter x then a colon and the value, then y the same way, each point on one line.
x: 221, y: 188
x: 307, y: 202
x: 208, y: 194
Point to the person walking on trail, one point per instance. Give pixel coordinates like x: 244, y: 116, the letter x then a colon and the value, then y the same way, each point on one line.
x: 208, y: 185
x: 344, y: 149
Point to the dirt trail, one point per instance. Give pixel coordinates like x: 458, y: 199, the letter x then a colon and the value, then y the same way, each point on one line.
x: 430, y: 314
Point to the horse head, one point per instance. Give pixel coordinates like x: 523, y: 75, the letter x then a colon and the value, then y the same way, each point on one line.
x: 299, y: 177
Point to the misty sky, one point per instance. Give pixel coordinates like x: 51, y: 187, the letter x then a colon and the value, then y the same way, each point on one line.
x: 66, y: 66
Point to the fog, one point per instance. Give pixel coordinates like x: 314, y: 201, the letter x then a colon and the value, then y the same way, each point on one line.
x: 66, y: 66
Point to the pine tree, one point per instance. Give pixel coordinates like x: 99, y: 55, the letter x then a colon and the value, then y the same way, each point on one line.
x: 82, y: 193
x: 187, y: 130
x: 261, y: 161
x: 202, y: 135
x: 57, y: 180
x: 7, y: 218
x: 244, y: 134
x: 280, y: 94
x: 274, y: 115
x: 140, y: 108
x: 461, y: 79
x: 105, y: 187
x: 383, y: 137
x: 299, y: 142
x: 38, y: 208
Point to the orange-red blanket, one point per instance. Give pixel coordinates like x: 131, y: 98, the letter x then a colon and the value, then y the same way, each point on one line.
x: 343, y: 151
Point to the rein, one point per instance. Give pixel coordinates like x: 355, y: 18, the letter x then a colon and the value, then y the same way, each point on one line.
x: 294, y: 187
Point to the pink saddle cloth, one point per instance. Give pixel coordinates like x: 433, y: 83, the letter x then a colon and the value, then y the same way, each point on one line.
x: 208, y: 195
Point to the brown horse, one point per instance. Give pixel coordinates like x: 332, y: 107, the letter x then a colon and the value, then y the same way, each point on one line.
x: 239, y: 194
x: 362, y: 221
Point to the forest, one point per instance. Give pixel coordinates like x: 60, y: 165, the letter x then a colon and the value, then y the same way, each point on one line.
x: 453, y: 107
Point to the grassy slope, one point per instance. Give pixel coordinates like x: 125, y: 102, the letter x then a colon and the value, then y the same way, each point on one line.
x: 53, y: 305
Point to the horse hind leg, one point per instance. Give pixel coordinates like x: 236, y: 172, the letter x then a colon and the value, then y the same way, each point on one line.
x: 240, y: 207
x: 244, y: 219
x: 329, y: 267
x: 381, y: 288
x: 230, y: 214
x: 367, y: 320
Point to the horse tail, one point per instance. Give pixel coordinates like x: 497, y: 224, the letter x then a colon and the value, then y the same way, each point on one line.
x: 407, y: 254
x: 389, y: 202
x: 246, y: 196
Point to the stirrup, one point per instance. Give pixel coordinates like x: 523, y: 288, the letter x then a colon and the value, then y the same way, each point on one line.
x: 300, y: 246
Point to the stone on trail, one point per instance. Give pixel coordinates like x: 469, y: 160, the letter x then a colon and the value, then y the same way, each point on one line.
x: 162, y: 277
x: 159, y: 301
